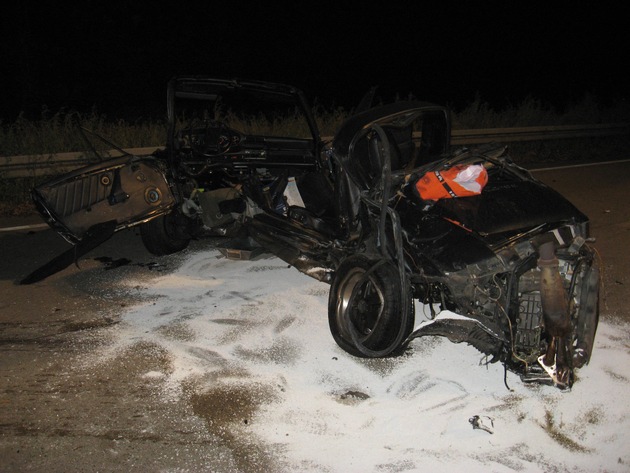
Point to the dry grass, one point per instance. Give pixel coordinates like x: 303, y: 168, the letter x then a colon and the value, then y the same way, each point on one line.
x: 58, y: 132
x: 533, y: 112
x: 18, y: 209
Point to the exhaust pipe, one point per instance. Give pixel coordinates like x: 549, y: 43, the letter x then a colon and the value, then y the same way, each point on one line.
x: 555, y: 315
x: 552, y: 293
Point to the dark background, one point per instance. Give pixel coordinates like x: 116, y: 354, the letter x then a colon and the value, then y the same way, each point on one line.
x: 116, y: 56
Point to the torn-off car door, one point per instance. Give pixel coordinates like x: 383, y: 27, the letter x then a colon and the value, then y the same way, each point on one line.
x: 126, y: 190
x: 89, y: 205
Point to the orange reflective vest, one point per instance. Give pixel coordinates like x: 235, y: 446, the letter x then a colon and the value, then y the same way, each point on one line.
x: 458, y: 181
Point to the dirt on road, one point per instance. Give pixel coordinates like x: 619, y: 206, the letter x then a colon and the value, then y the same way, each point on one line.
x: 61, y: 413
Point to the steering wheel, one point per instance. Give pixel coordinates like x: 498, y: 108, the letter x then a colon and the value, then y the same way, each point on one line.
x: 212, y: 139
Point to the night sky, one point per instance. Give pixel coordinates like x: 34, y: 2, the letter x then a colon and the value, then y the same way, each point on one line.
x: 117, y: 56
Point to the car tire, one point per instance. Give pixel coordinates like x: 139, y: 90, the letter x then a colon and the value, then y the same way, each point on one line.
x: 166, y: 234
x: 365, y: 311
x: 587, y: 318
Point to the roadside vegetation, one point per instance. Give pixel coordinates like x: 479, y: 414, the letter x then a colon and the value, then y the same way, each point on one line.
x: 56, y: 132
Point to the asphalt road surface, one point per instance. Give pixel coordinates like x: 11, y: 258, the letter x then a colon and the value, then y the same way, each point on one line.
x: 54, y: 418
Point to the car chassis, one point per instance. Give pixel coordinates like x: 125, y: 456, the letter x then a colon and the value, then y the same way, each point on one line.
x: 508, y: 270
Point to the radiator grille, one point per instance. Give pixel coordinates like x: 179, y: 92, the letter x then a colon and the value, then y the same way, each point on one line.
x: 529, y: 325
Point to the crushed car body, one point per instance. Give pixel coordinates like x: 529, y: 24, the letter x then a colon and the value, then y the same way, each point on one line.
x: 388, y: 214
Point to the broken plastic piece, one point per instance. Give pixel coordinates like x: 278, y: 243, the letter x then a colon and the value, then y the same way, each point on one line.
x: 472, y: 178
x: 553, y: 373
x: 482, y: 423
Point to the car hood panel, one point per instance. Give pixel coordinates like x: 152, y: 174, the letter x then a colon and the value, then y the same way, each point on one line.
x: 509, y: 207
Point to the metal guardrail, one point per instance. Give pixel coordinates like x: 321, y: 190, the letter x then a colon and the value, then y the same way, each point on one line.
x: 50, y: 164
x: 536, y: 133
x: 34, y: 165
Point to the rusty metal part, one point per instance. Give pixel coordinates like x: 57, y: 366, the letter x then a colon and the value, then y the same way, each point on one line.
x: 555, y: 314
x: 552, y: 293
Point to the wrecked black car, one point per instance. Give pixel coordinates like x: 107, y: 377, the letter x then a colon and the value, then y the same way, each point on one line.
x: 388, y: 214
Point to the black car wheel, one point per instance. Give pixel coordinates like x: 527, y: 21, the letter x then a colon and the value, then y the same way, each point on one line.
x: 166, y: 234
x: 365, y: 311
